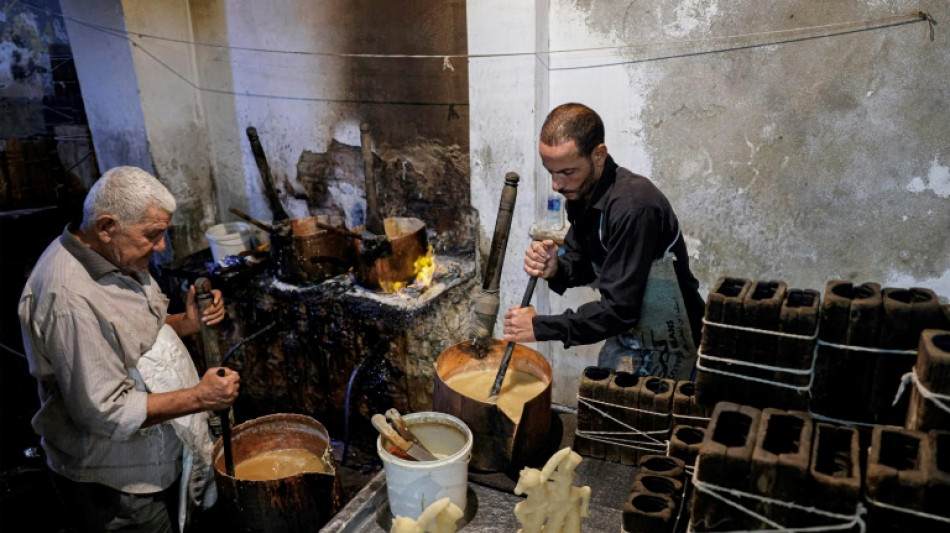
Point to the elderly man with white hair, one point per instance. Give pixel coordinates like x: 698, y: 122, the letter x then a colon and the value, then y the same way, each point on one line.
x: 101, y: 344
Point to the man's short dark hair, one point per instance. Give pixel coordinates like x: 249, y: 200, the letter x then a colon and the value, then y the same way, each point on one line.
x: 573, y: 122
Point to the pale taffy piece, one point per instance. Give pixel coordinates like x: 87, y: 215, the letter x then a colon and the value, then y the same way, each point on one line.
x: 439, y: 517
x: 533, y: 510
x: 553, y: 504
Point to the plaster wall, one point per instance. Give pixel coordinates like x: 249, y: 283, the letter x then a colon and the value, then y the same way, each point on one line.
x: 822, y: 157
x: 205, y: 71
x: 309, y: 94
x: 506, y: 97
x: 174, y: 118
x: 110, y: 87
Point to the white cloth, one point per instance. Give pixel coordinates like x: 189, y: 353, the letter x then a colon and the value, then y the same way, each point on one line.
x: 167, y: 367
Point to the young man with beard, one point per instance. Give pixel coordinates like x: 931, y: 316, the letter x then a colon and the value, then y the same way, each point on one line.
x: 620, y: 225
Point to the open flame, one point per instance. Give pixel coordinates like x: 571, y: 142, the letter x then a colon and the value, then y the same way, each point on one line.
x: 424, y: 270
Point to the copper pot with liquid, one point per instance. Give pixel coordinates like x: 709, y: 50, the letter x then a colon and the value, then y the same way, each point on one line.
x: 305, y: 253
x: 504, y: 443
x: 407, y: 242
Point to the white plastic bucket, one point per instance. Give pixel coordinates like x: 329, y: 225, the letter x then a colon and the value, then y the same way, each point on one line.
x: 414, y: 485
x: 230, y: 238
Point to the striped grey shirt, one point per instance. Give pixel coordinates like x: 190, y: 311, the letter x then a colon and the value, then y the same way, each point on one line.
x: 85, y: 323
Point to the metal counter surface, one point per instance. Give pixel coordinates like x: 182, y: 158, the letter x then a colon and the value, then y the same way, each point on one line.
x: 491, y: 509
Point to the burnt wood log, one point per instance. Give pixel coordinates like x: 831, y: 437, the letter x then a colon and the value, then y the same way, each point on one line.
x: 617, y: 390
x: 780, y: 463
x: 760, y: 310
x: 655, y: 403
x: 907, y: 312
x: 647, y: 512
x: 657, y: 484
x: 686, y: 410
x: 899, y: 468
x: 834, y: 472
x: 842, y: 382
x: 798, y: 316
x: 938, y: 487
x: 685, y: 442
x: 631, y: 397
x: 658, y: 464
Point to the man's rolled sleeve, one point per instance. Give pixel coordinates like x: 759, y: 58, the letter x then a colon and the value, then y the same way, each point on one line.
x: 97, y: 390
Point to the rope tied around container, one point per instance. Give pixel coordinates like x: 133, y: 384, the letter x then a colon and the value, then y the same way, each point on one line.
x: 748, y: 329
x: 904, y: 510
x: 940, y: 400
x: 649, y: 442
x: 730, y: 497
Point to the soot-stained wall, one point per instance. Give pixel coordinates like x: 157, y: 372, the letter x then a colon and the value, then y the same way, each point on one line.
x: 206, y: 71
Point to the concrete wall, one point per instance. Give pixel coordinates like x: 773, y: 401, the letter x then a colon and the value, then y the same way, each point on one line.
x: 177, y: 84
x: 107, y: 74
x: 804, y: 161
x: 167, y: 75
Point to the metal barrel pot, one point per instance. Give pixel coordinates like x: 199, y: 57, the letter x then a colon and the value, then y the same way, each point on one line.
x: 304, y: 253
x: 296, y: 503
x: 408, y: 241
x: 500, y: 443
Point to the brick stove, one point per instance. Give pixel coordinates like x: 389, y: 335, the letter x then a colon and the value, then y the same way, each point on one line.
x: 324, y: 331
x: 333, y: 336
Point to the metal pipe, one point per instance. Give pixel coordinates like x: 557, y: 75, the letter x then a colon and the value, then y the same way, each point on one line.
x: 503, y: 367
x: 374, y: 222
x: 499, y: 242
x: 227, y: 356
x: 346, y: 402
x: 276, y: 207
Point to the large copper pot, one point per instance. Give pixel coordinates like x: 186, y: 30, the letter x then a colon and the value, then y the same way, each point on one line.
x: 408, y: 242
x: 501, y: 444
x: 305, y: 253
x: 298, y: 503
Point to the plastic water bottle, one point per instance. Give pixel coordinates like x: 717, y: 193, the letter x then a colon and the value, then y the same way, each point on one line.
x: 554, y: 218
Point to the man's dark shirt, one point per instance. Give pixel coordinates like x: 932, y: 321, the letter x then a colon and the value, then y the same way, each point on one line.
x: 638, y: 226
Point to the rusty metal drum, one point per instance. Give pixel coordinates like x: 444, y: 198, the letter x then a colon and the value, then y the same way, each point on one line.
x: 296, y: 503
x: 500, y: 443
x: 409, y: 242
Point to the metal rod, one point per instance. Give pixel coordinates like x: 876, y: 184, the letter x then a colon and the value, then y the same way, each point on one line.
x: 225, y: 416
x: 269, y: 188
x: 266, y: 227
x: 374, y: 222
x: 510, y: 348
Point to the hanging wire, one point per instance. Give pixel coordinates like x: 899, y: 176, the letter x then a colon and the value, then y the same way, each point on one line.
x: 770, y: 38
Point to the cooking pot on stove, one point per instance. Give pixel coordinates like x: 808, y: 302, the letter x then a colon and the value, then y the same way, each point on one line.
x: 305, y: 253
x: 307, y: 250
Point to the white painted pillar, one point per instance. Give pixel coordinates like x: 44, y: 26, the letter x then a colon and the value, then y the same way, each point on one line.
x: 508, y: 99
x: 110, y: 86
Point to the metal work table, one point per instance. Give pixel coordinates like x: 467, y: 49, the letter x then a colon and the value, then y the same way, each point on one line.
x: 491, y: 503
